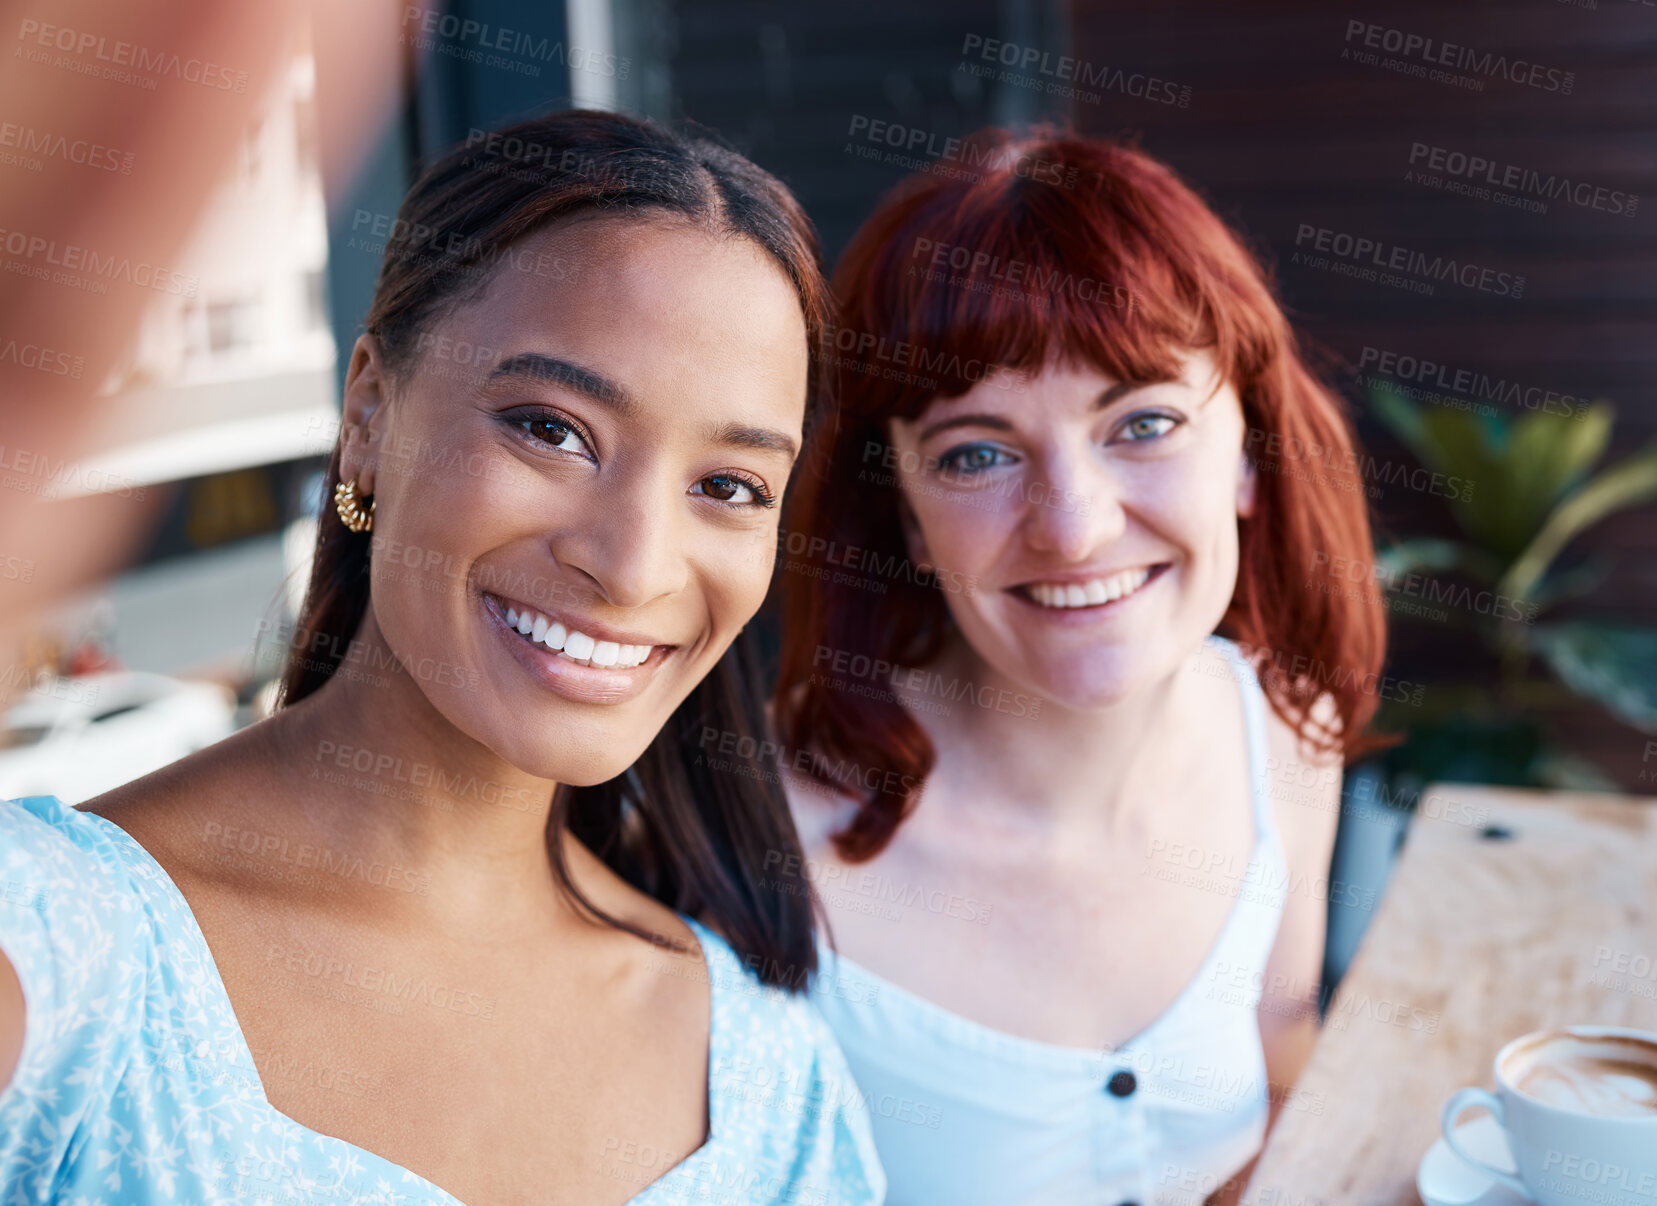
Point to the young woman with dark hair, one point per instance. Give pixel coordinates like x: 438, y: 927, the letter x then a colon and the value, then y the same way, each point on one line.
x: 469, y: 919
x: 1070, y: 713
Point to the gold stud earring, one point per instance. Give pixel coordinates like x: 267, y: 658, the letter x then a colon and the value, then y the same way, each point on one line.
x: 352, y: 513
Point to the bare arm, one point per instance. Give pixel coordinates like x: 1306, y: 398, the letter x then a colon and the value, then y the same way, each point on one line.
x: 1306, y: 796
x: 11, y: 1021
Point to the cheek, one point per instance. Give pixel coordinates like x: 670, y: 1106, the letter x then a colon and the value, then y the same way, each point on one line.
x: 959, y: 536
x: 1199, y: 495
x: 438, y: 513
x: 731, y: 577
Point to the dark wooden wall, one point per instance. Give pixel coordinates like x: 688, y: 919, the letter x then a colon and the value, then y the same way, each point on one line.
x: 1282, y: 130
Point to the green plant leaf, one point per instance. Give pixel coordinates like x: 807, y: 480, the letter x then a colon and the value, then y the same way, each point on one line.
x: 1614, y: 665
x: 1628, y: 483
x: 1513, y: 471
x: 1547, y: 456
x: 1552, y: 453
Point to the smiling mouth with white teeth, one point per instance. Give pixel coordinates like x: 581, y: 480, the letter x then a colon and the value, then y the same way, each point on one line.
x: 1095, y: 592
x: 575, y: 646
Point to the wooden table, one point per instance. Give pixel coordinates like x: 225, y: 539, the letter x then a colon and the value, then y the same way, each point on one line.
x: 1476, y: 941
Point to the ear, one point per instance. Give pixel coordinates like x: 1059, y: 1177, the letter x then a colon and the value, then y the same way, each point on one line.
x: 362, y: 418
x: 1245, y: 488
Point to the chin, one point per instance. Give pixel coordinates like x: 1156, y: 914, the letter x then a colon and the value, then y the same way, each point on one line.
x: 1097, y: 679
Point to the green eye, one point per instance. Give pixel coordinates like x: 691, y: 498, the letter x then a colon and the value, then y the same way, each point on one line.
x: 1149, y: 425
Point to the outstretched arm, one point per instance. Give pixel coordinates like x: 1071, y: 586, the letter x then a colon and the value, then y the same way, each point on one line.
x: 11, y: 1021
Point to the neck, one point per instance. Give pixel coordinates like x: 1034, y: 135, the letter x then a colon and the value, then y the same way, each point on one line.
x: 1062, y: 774
x: 381, y: 774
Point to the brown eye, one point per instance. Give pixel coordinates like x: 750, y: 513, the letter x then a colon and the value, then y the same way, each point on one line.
x: 553, y: 432
x: 728, y: 488
x: 547, y: 429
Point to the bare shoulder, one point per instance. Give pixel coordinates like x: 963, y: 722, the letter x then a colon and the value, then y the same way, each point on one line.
x: 168, y: 811
x: 1305, y: 785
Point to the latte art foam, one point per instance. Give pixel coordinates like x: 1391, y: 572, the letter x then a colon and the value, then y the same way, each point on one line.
x: 1609, y: 1078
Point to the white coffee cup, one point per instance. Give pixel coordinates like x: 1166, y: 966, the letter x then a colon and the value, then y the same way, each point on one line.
x: 1578, y: 1105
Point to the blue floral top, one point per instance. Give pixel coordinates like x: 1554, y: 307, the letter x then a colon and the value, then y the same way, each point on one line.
x: 136, y: 1085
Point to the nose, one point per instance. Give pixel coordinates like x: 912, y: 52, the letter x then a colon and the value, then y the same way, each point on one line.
x: 1072, y: 506
x: 631, y: 541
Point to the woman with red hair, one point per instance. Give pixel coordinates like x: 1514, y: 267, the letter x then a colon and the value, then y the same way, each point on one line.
x: 1063, y: 698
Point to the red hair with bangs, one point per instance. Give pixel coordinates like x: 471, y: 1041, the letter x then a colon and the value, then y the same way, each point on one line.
x: 1059, y: 250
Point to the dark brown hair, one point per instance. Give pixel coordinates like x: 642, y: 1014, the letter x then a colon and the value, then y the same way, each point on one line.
x: 696, y: 840
x: 1060, y: 249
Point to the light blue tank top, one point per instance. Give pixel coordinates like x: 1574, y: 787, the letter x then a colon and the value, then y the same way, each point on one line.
x: 136, y: 1086
x: 972, y: 1116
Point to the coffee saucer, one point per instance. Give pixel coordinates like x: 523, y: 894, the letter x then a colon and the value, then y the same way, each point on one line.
x: 1444, y: 1179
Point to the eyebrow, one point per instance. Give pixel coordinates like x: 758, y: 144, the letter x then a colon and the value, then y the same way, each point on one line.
x: 536, y: 366
x: 737, y: 435
x: 996, y: 422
